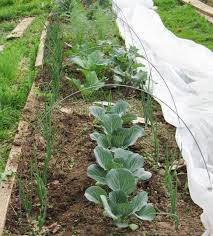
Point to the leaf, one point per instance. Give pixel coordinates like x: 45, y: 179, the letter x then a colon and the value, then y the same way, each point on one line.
x: 78, y: 61
x: 90, y: 85
x: 77, y: 83
x: 133, y: 227
x: 130, y: 160
x: 104, y: 158
x: 117, y: 79
x: 121, y: 179
x: 94, y: 193
x: 111, y: 122
x: 117, y: 197
x: 124, y: 137
x: 96, y: 61
x: 133, y: 53
x: 118, y: 71
x: 97, y: 112
x: 121, y: 107
x: 139, y: 78
x: 147, y: 212
x: 107, y: 208
x: 101, y: 139
x: 121, y: 225
x: 95, y: 136
x: 142, y: 174
x: 97, y: 173
x: 134, y: 133
x: 86, y: 91
x: 91, y: 81
x: 97, y: 58
x: 91, y: 78
x: 118, y: 138
x: 128, y: 118
x: 122, y: 210
x: 139, y: 201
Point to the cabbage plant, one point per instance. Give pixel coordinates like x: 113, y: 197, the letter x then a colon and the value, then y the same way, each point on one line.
x: 126, y: 70
x: 115, y: 62
x: 118, y: 137
x: 90, y: 85
x: 117, y: 170
x: 121, y: 108
x: 94, y: 61
x: 118, y: 204
x: 111, y: 121
x: 107, y: 160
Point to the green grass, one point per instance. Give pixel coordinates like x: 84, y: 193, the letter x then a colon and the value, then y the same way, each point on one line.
x: 185, y: 22
x: 17, y: 70
x: 13, y: 9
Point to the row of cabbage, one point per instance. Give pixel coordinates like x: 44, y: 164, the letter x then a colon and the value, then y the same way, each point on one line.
x: 118, y: 170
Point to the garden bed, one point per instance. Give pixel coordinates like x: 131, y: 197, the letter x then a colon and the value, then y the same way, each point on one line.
x: 48, y: 198
x: 69, y: 212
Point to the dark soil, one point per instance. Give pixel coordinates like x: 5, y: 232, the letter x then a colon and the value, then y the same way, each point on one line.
x: 69, y: 213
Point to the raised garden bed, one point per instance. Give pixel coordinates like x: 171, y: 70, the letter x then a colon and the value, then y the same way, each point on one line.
x: 48, y: 198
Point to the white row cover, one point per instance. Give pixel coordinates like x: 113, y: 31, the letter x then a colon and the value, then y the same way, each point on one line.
x: 181, y: 73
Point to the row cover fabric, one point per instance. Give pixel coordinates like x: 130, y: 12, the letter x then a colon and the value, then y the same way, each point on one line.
x: 182, y: 79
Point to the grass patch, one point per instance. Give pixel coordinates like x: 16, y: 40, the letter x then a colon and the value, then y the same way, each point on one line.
x: 185, y: 22
x: 13, y: 9
x: 17, y: 70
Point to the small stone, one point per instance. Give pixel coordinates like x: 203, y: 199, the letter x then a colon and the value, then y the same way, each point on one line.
x: 56, y: 182
x: 133, y: 227
x: 66, y: 110
x: 162, y: 172
x: 54, y: 228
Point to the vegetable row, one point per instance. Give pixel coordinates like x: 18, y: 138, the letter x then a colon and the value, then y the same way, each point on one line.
x: 118, y: 170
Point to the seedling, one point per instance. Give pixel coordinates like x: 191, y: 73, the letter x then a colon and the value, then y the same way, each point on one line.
x: 117, y: 204
x: 107, y: 160
x: 120, y: 108
x: 111, y: 121
x: 90, y: 85
x: 95, y: 61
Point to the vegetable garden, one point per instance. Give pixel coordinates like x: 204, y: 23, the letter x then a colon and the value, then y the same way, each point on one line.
x: 98, y: 157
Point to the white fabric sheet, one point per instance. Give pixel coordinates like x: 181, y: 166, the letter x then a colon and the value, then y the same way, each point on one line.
x: 187, y: 69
